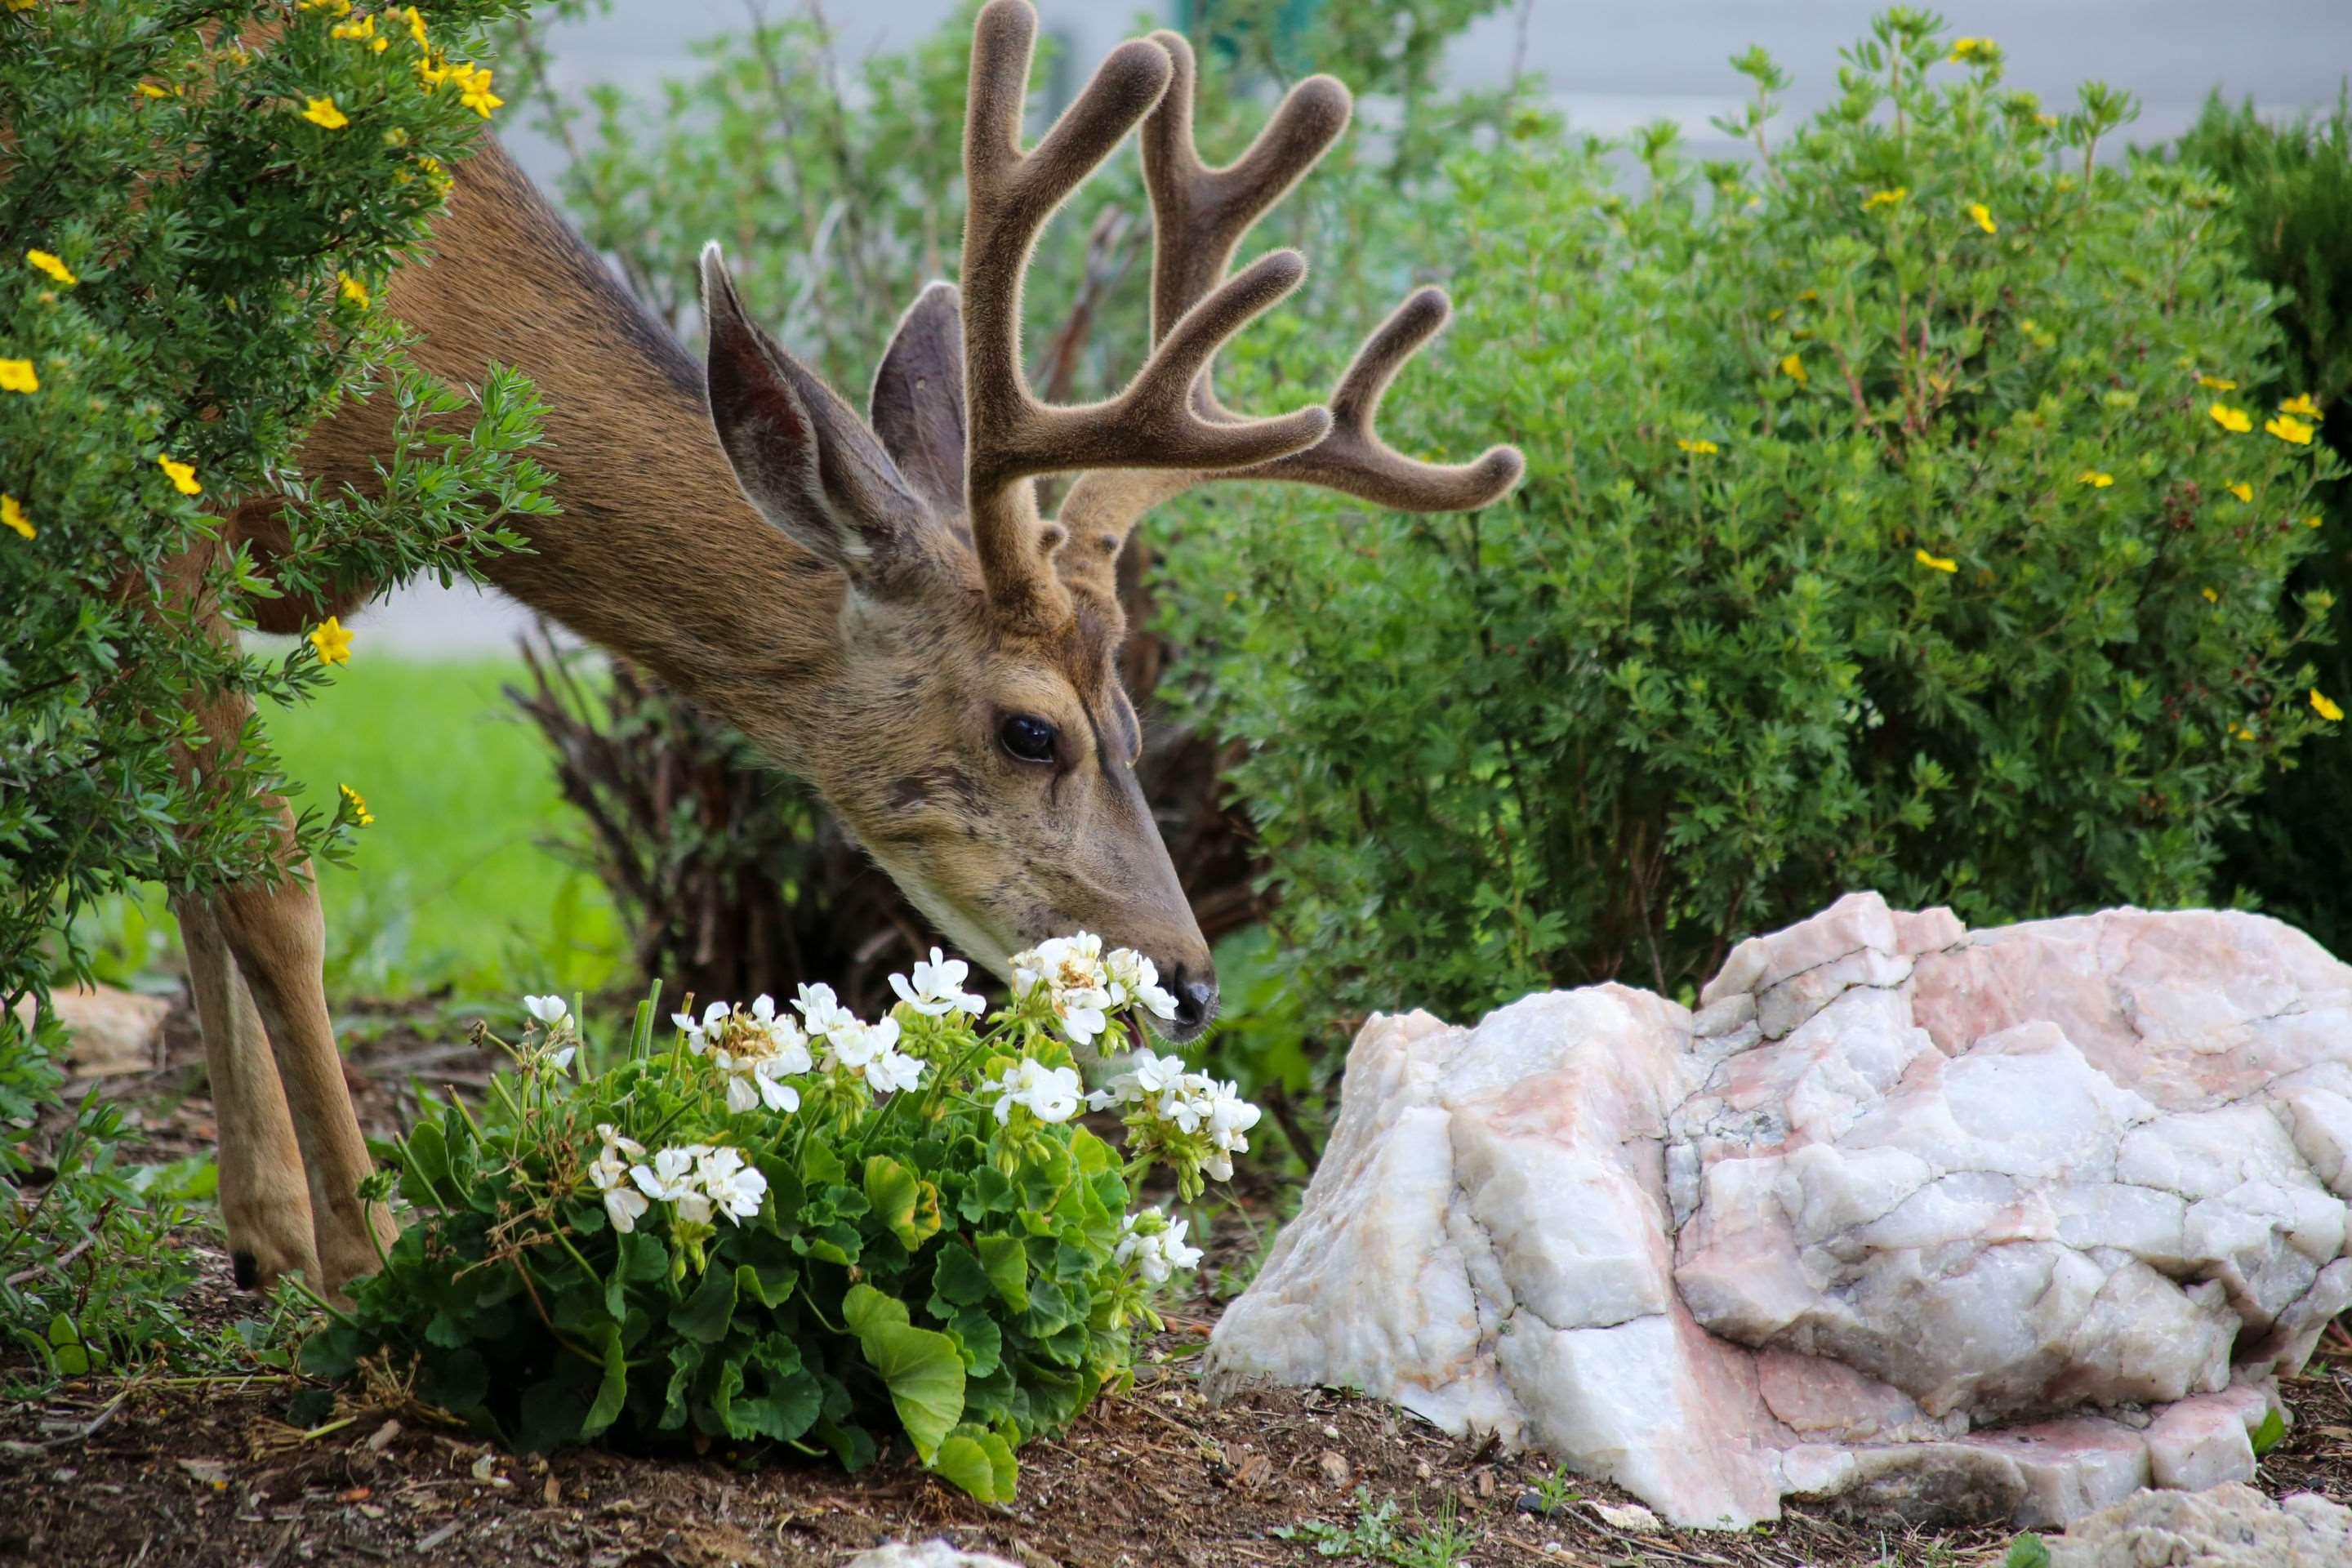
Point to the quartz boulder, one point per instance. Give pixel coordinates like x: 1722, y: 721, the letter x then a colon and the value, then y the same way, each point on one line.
x: 1944, y: 1225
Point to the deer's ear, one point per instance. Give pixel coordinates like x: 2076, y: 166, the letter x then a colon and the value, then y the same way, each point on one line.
x: 800, y: 453
x: 918, y: 403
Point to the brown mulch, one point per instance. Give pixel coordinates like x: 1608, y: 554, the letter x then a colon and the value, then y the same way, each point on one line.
x: 158, y: 1472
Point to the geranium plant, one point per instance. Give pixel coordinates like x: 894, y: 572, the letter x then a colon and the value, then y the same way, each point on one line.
x: 792, y: 1223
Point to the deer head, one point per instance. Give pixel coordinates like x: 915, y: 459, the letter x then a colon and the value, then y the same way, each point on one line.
x: 971, y: 728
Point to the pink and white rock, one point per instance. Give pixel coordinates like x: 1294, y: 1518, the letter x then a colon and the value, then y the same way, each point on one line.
x: 1952, y: 1225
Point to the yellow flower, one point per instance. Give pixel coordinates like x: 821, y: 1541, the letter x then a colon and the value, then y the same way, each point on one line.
x: 2228, y: 419
x: 42, y: 261
x: 1793, y: 367
x: 2094, y: 478
x: 322, y: 111
x: 21, y: 5
x: 1885, y: 198
x: 1982, y: 216
x: 2238, y: 732
x: 359, y: 31
x: 2301, y: 404
x: 12, y: 515
x: 1701, y: 447
x: 2210, y: 597
x: 2240, y: 489
x: 1935, y: 562
x: 360, y: 814
x: 148, y: 90
x: 2047, y: 121
x: 2218, y: 382
x: 1968, y: 50
x: 182, y: 475
x: 474, y: 92
x: 2290, y: 429
x: 2324, y: 708
x: 352, y: 290
x: 2311, y: 521
x: 337, y: 7
x: 16, y: 375
x: 416, y: 25
x: 333, y: 643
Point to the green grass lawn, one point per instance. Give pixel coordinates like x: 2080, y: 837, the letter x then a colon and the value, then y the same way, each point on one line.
x: 455, y: 886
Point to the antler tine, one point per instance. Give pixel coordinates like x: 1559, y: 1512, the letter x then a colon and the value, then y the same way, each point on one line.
x: 1200, y: 215
x: 1012, y: 436
x: 1354, y: 459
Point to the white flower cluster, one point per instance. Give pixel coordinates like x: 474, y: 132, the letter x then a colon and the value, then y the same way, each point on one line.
x: 868, y: 1049
x: 1051, y: 1094
x: 1158, y: 1250
x: 754, y: 1048
x: 560, y: 1034
x: 1191, y: 1104
x: 700, y: 1182
x: 1084, y: 987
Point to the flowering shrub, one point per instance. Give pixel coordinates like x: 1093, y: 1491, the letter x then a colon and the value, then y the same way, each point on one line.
x: 1898, y: 515
x: 795, y: 1224
x: 195, y: 217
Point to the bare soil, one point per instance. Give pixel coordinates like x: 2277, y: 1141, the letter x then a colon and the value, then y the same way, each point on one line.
x: 119, y: 1472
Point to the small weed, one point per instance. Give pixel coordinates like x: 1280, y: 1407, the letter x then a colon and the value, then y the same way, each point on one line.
x: 1374, y: 1536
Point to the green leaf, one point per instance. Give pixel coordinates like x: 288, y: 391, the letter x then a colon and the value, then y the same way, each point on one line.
x: 610, y: 1390
x: 1005, y: 1259
x: 957, y: 1280
x: 909, y: 1207
x: 2269, y: 1433
x: 703, y: 1316
x: 2027, y: 1552
x: 921, y: 1369
x: 979, y: 1462
x: 820, y: 1166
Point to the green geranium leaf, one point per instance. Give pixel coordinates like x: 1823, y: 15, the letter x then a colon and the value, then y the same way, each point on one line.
x: 703, y: 1316
x: 921, y: 1369
x: 908, y: 1205
x: 611, y: 1389
x: 979, y: 1462
x: 1005, y: 1260
x: 957, y: 1280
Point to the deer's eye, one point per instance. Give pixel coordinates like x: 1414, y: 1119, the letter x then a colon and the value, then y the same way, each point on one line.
x: 1028, y: 738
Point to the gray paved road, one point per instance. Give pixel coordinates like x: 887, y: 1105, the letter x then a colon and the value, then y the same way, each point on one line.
x: 1610, y: 63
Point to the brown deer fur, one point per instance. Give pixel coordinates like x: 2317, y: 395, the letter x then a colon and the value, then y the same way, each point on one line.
x: 871, y: 604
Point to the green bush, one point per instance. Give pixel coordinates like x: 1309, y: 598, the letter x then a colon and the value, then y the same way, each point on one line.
x: 2291, y: 209
x: 816, y: 1231
x: 194, y: 231
x: 191, y: 231
x: 1885, y: 526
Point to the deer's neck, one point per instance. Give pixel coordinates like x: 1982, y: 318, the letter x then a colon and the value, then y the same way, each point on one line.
x: 656, y: 554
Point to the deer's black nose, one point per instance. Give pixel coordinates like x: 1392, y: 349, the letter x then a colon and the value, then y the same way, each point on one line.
x: 1196, y: 1000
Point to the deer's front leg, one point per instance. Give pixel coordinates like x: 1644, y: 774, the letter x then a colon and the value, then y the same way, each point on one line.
x: 279, y: 936
x: 265, y: 1202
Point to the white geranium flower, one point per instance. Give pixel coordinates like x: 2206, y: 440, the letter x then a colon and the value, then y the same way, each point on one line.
x: 1083, y: 1014
x: 891, y: 1070
x: 561, y: 1061
x: 623, y: 1206
x: 693, y: 1206
x: 727, y: 1182
x: 1051, y: 1094
x: 1133, y: 980
x: 821, y: 1010
x: 1156, y: 1253
x: 937, y: 988
x: 1064, y: 963
x: 670, y: 1175
x: 697, y: 1035
x: 550, y: 1011
x: 854, y: 1044
x: 610, y: 1169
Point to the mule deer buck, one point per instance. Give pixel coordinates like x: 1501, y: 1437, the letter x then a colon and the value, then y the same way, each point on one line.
x: 879, y: 607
